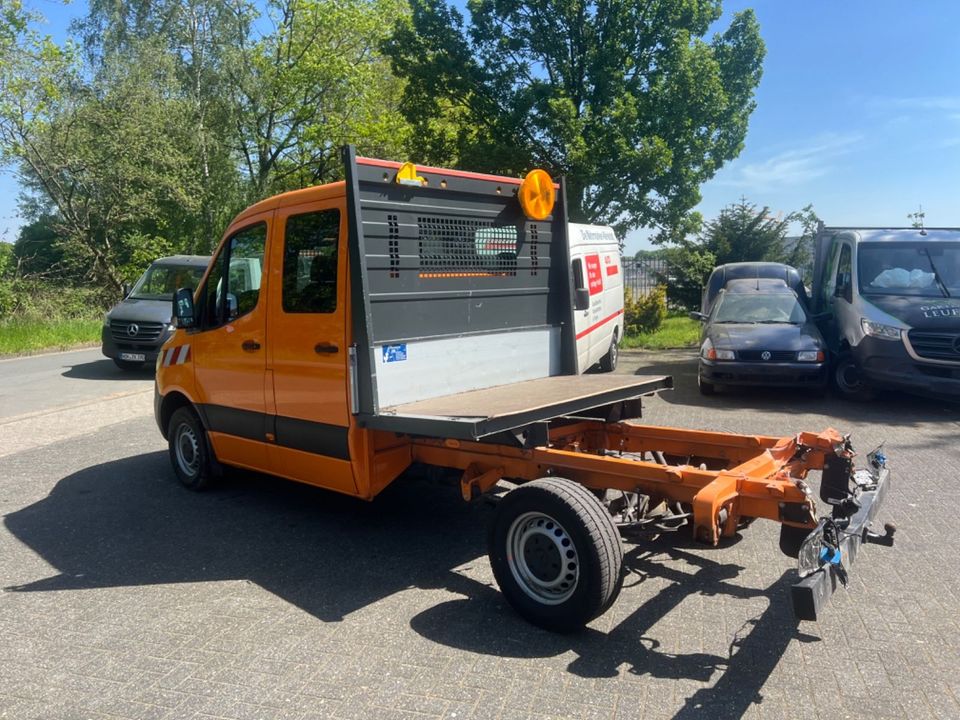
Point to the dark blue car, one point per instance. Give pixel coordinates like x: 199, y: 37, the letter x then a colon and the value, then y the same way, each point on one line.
x: 758, y: 333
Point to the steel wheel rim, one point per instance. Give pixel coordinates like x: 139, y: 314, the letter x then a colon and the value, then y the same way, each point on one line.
x: 613, y: 353
x: 187, y: 450
x: 542, y: 558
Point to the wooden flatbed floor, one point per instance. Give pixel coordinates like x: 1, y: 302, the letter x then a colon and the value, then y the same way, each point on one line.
x: 477, y: 413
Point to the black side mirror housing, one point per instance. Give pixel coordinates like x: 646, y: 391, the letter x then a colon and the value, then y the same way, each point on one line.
x: 183, y: 311
x: 581, y: 299
x: 126, y: 289
x: 698, y: 316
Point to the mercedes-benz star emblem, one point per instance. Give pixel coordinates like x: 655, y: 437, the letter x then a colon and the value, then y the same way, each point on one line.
x: 133, y: 329
x: 765, y: 355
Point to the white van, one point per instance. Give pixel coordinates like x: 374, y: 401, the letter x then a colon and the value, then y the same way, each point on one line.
x: 598, y: 285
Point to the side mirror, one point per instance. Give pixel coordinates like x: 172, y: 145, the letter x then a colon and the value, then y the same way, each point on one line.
x: 698, y: 316
x: 581, y: 299
x: 232, y: 307
x: 183, y: 312
x: 126, y: 289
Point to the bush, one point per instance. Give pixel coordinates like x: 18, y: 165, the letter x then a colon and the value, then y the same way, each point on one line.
x: 645, y: 313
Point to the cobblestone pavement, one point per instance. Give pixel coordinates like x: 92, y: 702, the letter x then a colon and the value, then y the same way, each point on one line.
x: 128, y: 597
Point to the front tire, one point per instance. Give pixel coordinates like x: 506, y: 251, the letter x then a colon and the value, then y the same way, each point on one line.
x: 189, y: 452
x: 556, y: 554
x: 848, y: 379
x: 705, y: 387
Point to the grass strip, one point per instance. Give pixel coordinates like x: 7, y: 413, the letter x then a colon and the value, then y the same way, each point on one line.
x: 28, y: 336
x: 677, y: 331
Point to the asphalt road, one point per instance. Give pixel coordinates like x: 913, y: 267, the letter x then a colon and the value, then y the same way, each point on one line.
x: 128, y: 597
x: 40, y: 383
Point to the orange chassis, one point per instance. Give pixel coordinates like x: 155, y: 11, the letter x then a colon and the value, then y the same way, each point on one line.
x: 725, y: 478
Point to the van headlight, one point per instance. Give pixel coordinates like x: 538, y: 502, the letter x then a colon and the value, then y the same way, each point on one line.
x: 810, y: 356
x: 879, y: 330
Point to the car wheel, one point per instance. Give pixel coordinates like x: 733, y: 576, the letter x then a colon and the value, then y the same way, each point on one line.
x: 127, y: 364
x: 189, y: 453
x: 555, y: 553
x: 608, y: 363
x: 706, y: 388
x: 848, y: 379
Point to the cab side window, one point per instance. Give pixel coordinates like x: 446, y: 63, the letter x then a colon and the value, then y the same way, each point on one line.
x: 310, y: 262
x: 844, y: 267
x: 233, y: 286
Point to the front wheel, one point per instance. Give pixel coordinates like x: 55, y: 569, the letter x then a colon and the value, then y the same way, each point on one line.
x: 848, y: 379
x: 556, y: 554
x: 705, y: 387
x: 189, y: 454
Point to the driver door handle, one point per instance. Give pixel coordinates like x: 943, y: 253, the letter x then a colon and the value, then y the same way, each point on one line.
x: 250, y: 345
x: 325, y: 348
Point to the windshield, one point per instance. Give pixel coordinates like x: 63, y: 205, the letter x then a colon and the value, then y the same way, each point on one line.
x: 159, y: 282
x: 759, y: 308
x: 928, y: 269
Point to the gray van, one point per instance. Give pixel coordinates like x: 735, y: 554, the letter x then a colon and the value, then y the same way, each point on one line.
x: 136, y: 328
x: 890, y: 299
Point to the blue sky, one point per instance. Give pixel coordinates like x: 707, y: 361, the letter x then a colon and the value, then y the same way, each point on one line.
x: 858, y: 113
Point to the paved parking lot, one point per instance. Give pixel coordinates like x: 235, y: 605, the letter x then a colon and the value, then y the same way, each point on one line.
x: 125, y: 596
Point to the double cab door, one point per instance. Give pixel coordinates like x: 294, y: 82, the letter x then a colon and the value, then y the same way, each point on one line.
x: 271, y: 351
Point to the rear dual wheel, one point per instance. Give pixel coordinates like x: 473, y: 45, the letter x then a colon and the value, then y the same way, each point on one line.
x: 556, y: 554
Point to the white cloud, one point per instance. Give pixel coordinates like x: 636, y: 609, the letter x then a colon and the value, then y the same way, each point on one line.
x: 794, y: 166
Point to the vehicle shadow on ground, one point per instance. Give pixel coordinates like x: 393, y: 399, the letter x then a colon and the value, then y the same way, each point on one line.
x: 105, y: 369
x: 890, y: 408
x: 752, y: 656
x: 128, y: 523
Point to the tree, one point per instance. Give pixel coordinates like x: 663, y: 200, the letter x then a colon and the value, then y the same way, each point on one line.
x: 627, y: 100
x: 118, y: 183
x: 742, y: 232
x: 314, y: 82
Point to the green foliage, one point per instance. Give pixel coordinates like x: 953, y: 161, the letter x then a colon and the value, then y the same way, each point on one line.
x: 644, y: 313
x: 688, y: 267
x: 741, y: 233
x: 169, y: 117
x: 628, y: 100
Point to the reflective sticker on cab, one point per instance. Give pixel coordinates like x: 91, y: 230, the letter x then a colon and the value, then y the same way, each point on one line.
x: 394, y: 353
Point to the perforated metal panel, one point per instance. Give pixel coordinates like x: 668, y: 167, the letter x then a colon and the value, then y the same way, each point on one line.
x: 455, y: 257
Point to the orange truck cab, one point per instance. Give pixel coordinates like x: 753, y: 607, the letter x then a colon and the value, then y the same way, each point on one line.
x: 419, y: 315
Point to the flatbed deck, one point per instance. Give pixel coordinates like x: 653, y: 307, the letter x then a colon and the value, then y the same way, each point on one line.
x: 479, y: 413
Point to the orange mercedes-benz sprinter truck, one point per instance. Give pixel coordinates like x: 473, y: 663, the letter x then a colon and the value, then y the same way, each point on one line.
x: 420, y: 315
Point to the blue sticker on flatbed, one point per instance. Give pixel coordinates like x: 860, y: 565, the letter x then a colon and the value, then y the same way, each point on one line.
x: 394, y: 353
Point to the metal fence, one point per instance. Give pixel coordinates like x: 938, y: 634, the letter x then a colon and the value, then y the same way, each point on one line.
x: 642, y: 276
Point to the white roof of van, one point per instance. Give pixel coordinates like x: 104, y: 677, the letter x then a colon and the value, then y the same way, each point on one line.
x: 903, y: 234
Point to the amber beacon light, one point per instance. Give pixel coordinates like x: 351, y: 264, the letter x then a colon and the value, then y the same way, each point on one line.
x: 537, y: 195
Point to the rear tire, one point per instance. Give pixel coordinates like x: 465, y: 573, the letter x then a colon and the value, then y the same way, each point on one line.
x: 189, y: 452
x: 848, y: 379
x: 608, y: 363
x: 556, y: 554
x: 127, y: 364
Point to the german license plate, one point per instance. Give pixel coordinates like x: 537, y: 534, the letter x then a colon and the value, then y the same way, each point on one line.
x: 133, y: 357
